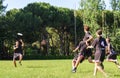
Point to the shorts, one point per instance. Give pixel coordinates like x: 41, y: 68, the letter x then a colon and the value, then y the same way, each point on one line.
x: 82, y: 55
x: 100, y: 56
x: 15, y: 55
x: 97, y: 56
x: 88, y: 52
x: 112, y: 56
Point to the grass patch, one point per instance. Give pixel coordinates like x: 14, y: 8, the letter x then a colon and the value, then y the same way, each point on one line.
x: 53, y: 69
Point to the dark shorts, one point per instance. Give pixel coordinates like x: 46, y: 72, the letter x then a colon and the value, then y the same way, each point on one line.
x: 102, y: 56
x: 88, y: 53
x: 112, y: 56
x: 81, y: 55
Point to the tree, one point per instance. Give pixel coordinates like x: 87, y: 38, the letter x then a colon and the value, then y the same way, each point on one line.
x: 2, y: 27
x: 91, y: 10
x: 2, y: 7
x: 115, y: 4
x: 42, y: 22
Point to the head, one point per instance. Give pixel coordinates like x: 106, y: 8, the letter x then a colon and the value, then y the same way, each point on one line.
x: 99, y: 33
x: 86, y: 28
x: 108, y: 40
x: 19, y: 36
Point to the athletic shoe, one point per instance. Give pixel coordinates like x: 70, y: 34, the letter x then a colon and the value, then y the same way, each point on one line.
x: 20, y: 63
x: 119, y: 67
x: 74, y: 70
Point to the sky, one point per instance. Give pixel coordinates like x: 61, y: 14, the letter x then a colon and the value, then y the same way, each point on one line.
x: 72, y: 4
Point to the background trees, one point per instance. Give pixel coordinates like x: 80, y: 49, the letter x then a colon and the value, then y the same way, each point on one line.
x: 2, y: 7
x: 49, y: 30
x: 115, y: 5
x: 2, y: 29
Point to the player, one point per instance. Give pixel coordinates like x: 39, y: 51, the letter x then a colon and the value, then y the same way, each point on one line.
x: 100, y: 46
x: 112, y: 55
x: 88, y: 38
x: 80, y: 56
x: 83, y: 51
x: 18, y: 49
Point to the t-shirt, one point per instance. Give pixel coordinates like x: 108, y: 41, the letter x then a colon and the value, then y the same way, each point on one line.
x: 19, y: 49
x: 82, y: 46
x: 86, y: 37
x: 99, y: 43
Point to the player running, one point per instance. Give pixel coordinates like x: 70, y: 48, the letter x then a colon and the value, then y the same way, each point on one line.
x: 18, y: 49
x: 83, y: 51
x: 112, y: 55
x: 100, y: 46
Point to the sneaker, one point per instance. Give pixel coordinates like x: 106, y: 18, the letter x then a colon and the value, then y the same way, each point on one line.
x: 20, y: 63
x: 119, y: 67
x: 74, y: 70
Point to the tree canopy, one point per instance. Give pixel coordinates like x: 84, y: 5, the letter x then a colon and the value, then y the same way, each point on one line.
x: 49, y: 30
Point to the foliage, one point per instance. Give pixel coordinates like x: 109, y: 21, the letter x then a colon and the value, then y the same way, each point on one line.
x: 56, y: 27
x: 2, y: 7
x: 92, y: 10
x: 115, y: 4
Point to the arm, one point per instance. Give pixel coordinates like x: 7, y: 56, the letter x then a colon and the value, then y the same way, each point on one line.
x: 90, y: 47
x: 93, y: 44
x: 108, y: 48
x: 88, y: 40
x: 22, y: 43
x: 75, y: 49
x: 16, y: 45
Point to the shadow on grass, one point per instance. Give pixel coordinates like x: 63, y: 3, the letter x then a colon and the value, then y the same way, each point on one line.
x: 117, y: 75
x: 37, y: 66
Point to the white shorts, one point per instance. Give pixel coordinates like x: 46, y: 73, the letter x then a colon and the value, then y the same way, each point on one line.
x: 16, y: 55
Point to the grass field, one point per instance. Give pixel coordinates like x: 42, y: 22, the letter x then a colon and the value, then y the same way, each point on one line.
x: 53, y: 69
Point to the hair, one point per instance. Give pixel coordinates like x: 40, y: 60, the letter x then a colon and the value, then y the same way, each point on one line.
x: 108, y: 39
x: 99, y: 32
x: 18, y: 37
x: 87, y: 28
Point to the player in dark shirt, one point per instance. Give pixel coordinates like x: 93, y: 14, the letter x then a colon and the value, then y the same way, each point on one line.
x: 83, y: 51
x: 80, y: 56
x: 100, y: 45
x: 88, y: 39
x: 18, y: 49
x: 112, y: 55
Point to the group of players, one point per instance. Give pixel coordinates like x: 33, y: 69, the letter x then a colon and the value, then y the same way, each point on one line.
x: 102, y: 47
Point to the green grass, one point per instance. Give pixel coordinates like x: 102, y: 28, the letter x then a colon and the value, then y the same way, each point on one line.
x: 53, y: 69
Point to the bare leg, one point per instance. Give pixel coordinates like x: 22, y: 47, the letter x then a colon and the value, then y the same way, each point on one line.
x: 114, y: 61
x: 73, y: 63
x: 95, y: 69
x: 100, y: 68
x: 14, y: 61
x: 90, y: 60
x: 78, y: 61
x: 117, y: 63
x: 20, y: 59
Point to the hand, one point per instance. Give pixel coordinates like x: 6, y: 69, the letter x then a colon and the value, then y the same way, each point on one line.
x: 87, y: 47
x: 86, y: 43
x: 74, y: 51
x: 14, y: 47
